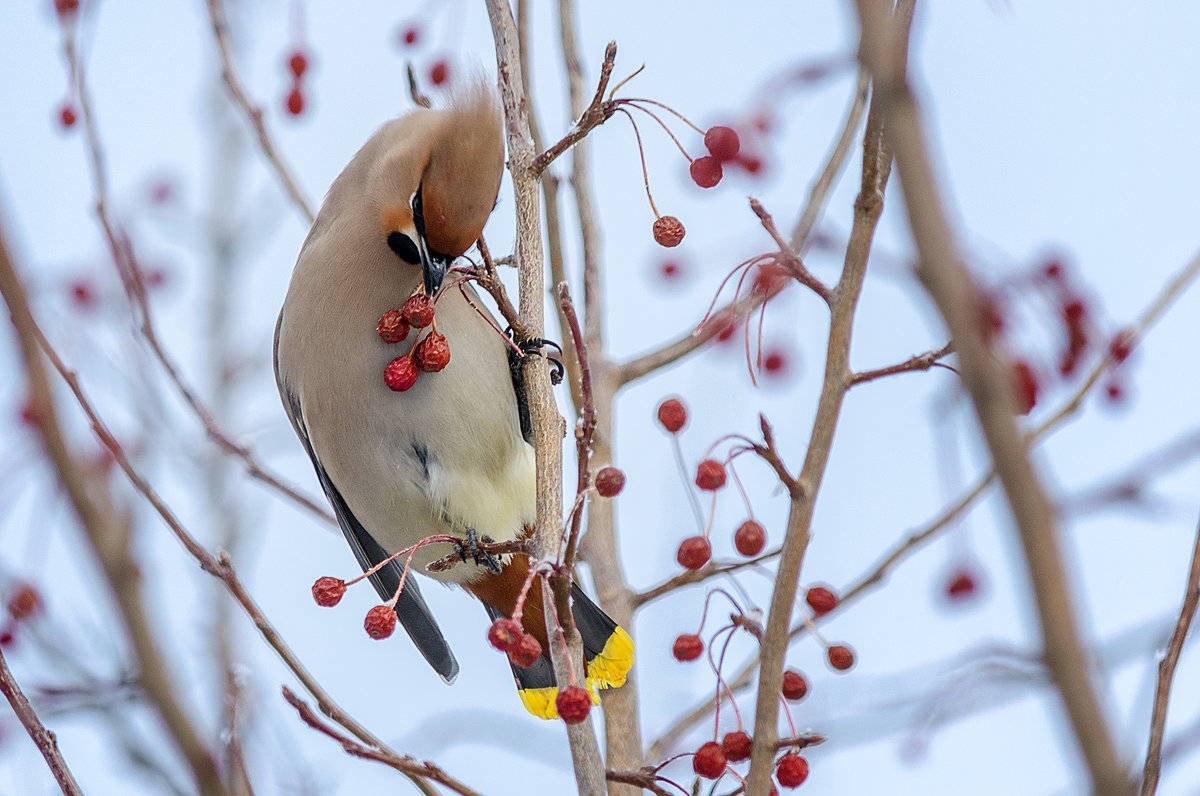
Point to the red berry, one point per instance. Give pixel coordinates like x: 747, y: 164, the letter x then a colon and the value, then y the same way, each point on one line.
x: 1074, y: 311
x: 609, y: 481
x: 433, y: 353
x: 693, y: 552
x: 751, y: 164
x: 795, y: 687
x: 726, y: 333
x: 670, y: 270
x: 392, y: 327
x: 65, y: 7
x: 672, y: 414
x: 7, y: 638
x: 1114, y: 391
x: 962, y: 585
x: 821, y: 599
x: 668, y: 231
x: 82, y: 294
x: 573, y: 704
x: 722, y: 143
x: 710, y: 475
x: 792, y: 770
x: 328, y: 591
x: 749, y: 538
x: 155, y: 277
x: 380, y: 622
x: 526, y: 651
x: 410, y: 35
x: 705, y: 171
x: 295, y: 101
x: 1121, y: 346
x: 840, y: 657
x: 737, y: 746
x: 66, y: 115
x: 418, y: 310
x: 1025, y: 385
x: 1053, y: 269
x: 24, y: 602
x: 505, y: 633
x: 687, y: 647
x: 298, y: 63
x: 439, y: 72
x: 401, y: 374
x: 769, y: 279
x: 709, y: 760
x: 775, y: 362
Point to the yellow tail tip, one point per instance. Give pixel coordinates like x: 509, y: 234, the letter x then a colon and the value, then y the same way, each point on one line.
x: 607, y: 670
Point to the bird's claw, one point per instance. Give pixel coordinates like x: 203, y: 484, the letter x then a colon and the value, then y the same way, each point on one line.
x: 482, y: 558
x: 535, y: 346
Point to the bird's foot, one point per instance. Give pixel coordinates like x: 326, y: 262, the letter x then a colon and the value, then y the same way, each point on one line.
x: 536, y: 347
x: 470, y: 549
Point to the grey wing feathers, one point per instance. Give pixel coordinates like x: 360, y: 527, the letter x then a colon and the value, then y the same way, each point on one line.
x: 411, y: 609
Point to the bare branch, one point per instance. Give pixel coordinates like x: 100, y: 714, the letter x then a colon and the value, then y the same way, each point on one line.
x: 44, y: 739
x: 593, y: 116
x: 788, y: 258
x: 914, y: 363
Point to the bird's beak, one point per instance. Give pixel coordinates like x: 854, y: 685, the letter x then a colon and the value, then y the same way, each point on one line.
x: 433, y: 267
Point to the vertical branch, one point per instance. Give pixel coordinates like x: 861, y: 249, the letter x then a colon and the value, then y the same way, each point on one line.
x: 46, y: 743
x: 844, y: 301
x: 548, y: 425
x: 958, y: 299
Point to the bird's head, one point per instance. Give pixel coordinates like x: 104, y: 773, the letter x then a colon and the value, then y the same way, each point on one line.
x: 440, y: 176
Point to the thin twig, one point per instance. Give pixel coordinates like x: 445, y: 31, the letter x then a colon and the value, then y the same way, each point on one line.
x: 596, y: 114
x: 419, y: 98
x: 788, y: 258
x: 43, y: 738
x: 1166, y: 674
x: 919, y: 362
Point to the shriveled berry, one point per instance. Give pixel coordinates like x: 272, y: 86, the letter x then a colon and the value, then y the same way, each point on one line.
x: 821, y: 599
x: 439, y: 73
x: 795, y: 687
x: 722, y: 143
x: 392, y: 327
x: 710, y: 475
x: 418, y: 310
x: 380, y: 622
x: 668, y: 231
x: 505, y: 633
x: 791, y: 771
x: 526, y: 651
x: 1025, y: 387
x: 840, y: 657
x: 736, y: 745
x: 298, y: 63
x: 66, y: 115
x: 401, y: 373
x: 573, y: 704
x: 672, y: 414
x: 687, y: 647
x: 295, y: 101
x: 433, y: 353
x: 610, y: 481
x: 709, y: 760
x: 694, y: 552
x: 749, y: 538
x: 24, y: 602
x: 705, y: 171
x: 328, y: 591
x: 961, y: 585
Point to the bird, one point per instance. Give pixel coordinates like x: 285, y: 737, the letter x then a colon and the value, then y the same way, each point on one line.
x: 452, y: 454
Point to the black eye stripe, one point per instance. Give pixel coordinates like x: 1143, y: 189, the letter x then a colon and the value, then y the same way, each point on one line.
x: 404, y: 248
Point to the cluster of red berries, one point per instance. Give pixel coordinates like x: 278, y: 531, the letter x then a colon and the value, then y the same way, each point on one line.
x: 712, y: 758
x: 297, y: 65
x: 430, y: 354
x: 23, y: 604
x: 573, y: 703
x: 722, y: 144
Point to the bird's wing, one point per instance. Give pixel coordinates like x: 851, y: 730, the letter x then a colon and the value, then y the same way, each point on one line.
x: 411, y: 609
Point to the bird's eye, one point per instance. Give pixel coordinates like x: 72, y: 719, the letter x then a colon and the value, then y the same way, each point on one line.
x: 404, y: 248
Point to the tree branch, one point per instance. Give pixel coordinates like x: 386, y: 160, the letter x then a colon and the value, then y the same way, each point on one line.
x: 44, y: 739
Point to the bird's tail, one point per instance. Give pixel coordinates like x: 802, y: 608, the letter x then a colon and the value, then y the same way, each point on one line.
x: 607, y: 648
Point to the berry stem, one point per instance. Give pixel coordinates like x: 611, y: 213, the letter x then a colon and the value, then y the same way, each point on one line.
x: 687, y: 484
x: 661, y: 124
x: 635, y: 73
x: 519, y: 607
x: 667, y: 108
x: 642, y: 155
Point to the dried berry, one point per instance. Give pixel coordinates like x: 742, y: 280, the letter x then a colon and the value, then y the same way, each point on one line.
x: 573, y: 704
x: 392, y: 327
x: 737, y: 746
x: 401, y: 373
x: 840, y: 657
x: 687, y: 647
x: 295, y: 101
x: 380, y: 621
x: 722, y: 143
x: 792, y: 770
x: 672, y: 414
x: 705, y: 171
x: 439, y: 73
x: 526, y: 651
x: 24, y: 602
x: 821, y: 599
x: 709, y: 760
x: 710, y: 475
x: 328, y: 591
x: 795, y: 687
x: 433, y: 353
x: 66, y: 115
x: 749, y: 538
x: 504, y: 633
x: 668, y: 231
x: 1025, y: 387
x: 298, y: 63
x: 693, y: 552
x: 418, y: 310
x: 609, y: 481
